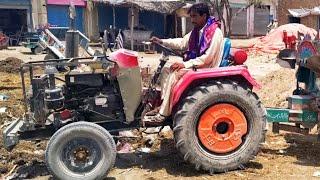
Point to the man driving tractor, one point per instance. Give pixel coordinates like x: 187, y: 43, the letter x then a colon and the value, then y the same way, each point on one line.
x: 203, y: 48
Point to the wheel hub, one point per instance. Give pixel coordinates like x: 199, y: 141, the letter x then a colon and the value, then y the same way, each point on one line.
x: 81, y: 154
x: 221, y: 128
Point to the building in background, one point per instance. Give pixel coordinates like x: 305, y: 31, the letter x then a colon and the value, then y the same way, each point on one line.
x: 157, y: 16
x: 284, y: 17
x: 22, y: 15
x: 247, y: 20
x: 58, y: 13
x: 253, y: 20
x: 16, y: 16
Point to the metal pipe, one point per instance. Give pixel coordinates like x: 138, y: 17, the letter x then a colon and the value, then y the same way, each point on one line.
x: 30, y: 73
x: 25, y: 102
x: 114, y: 17
x: 52, y: 83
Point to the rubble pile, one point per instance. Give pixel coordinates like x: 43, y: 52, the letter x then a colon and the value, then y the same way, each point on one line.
x: 273, y: 42
x: 10, y: 65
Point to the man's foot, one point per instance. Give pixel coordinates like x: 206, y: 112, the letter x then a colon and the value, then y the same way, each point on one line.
x: 154, y: 120
x: 153, y: 112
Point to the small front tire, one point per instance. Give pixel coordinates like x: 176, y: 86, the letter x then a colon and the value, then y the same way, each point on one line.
x: 82, y: 151
x: 37, y: 50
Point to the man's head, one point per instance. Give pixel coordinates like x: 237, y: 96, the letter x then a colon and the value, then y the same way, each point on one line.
x: 199, y: 14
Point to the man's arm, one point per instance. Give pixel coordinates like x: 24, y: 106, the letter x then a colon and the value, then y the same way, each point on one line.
x: 177, y: 43
x: 213, y: 55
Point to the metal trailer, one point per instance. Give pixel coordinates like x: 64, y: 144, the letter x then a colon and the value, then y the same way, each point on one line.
x: 302, y: 114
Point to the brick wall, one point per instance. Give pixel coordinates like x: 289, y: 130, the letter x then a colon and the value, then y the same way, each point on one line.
x: 283, y: 13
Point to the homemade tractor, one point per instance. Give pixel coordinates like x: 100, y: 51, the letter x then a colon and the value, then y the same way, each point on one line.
x: 302, y: 113
x: 217, y: 120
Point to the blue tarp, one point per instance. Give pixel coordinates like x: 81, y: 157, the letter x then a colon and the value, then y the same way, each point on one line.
x: 59, y: 16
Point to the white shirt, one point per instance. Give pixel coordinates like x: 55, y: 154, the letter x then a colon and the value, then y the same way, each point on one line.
x: 212, y: 56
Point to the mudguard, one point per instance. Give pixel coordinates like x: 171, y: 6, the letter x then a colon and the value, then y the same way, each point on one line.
x: 209, y: 73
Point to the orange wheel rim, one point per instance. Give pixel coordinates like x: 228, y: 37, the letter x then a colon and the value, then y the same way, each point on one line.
x: 221, y: 128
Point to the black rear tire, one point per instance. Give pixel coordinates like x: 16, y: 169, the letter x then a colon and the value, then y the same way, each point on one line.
x: 80, y: 150
x: 199, y: 99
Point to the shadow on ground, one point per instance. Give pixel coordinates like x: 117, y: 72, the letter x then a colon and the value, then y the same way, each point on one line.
x: 166, y: 158
x: 304, y: 147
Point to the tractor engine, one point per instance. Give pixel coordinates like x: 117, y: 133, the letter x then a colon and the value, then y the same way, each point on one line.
x: 84, y: 96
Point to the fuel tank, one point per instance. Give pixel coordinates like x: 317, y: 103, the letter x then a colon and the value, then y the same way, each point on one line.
x: 125, y: 58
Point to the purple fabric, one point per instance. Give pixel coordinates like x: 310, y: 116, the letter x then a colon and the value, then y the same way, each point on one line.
x: 197, y: 49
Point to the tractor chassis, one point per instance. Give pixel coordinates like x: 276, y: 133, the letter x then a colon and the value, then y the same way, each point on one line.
x: 26, y: 129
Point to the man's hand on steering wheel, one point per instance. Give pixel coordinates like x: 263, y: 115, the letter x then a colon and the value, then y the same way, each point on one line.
x: 156, y: 40
x: 159, y: 43
x: 176, y: 66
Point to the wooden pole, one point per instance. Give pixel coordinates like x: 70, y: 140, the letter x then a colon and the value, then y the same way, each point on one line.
x: 165, y: 24
x: 114, y: 16
x: 176, y: 25
x: 250, y: 21
x: 132, y: 24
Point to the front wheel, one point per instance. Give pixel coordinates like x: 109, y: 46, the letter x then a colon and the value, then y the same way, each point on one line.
x: 219, y: 126
x: 81, y: 150
x: 37, y: 50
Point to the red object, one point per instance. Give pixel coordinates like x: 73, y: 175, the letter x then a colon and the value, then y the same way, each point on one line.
x: 65, y: 114
x: 191, y: 76
x: 239, y: 56
x: 4, y: 40
x: 221, y: 128
x: 289, y: 41
x: 67, y: 2
x: 125, y: 58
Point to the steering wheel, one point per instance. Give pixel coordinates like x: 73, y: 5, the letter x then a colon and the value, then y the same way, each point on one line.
x: 169, y: 50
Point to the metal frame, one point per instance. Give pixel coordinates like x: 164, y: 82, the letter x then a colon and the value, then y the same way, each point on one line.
x: 297, y: 117
x: 26, y: 129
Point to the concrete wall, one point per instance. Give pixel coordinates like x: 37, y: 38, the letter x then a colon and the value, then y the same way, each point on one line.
x: 283, y: 13
x: 91, y: 22
x: 39, y: 13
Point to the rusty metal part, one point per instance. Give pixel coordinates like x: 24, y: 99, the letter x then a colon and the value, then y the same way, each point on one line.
x: 81, y: 154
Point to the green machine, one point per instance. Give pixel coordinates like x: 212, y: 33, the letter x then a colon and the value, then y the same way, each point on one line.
x: 302, y: 113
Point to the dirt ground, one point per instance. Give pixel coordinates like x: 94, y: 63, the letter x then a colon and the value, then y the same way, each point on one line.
x: 284, y: 156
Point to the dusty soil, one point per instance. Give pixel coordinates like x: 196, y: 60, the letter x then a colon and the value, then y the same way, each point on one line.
x: 283, y: 156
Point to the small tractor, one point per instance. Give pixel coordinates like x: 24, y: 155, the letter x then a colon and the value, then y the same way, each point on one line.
x: 218, y: 122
